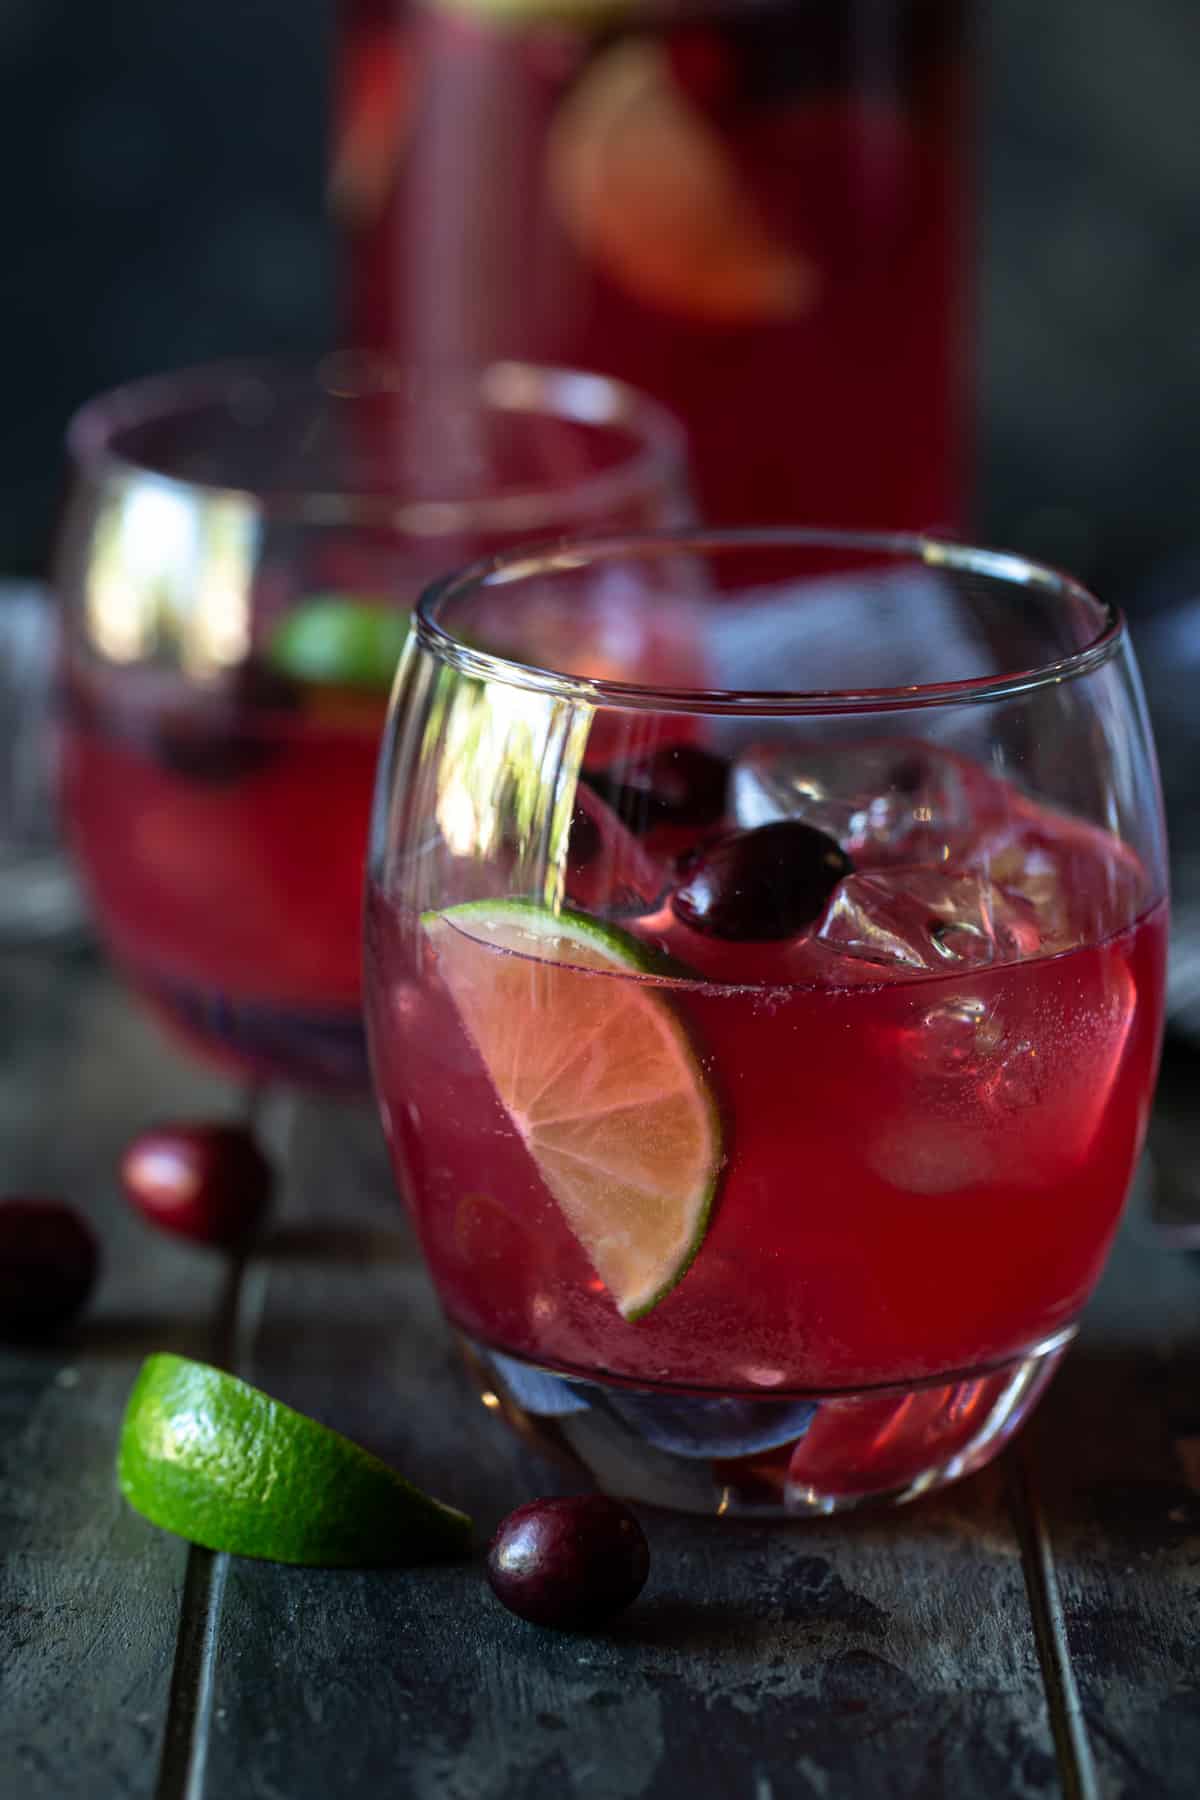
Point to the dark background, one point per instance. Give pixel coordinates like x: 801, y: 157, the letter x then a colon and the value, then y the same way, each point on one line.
x: 163, y: 204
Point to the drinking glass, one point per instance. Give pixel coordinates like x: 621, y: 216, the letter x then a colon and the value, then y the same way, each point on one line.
x: 756, y: 210
x: 765, y: 1042
x: 239, y: 553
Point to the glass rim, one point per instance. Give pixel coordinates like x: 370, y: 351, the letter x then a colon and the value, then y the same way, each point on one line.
x: 657, y: 462
x: 931, y: 551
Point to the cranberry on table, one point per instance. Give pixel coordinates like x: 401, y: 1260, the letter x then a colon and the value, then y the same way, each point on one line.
x: 210, y: 1183
x: 771, y: 882
x: 572, y: 1563
x: 681, y: 784
x: 48, y: 1263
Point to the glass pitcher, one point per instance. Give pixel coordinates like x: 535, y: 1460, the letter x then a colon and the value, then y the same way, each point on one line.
x: 753, y: 209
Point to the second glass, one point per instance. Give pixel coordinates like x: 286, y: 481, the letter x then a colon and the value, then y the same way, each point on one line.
x: 237, y: 558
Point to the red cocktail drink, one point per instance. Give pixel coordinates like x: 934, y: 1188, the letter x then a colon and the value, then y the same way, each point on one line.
x: 755, y: 212
x: 195, y: 827
x: 765, y: 1094
x: 922, y: 1170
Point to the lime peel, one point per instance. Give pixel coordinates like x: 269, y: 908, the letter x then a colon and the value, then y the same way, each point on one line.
x: 601, y: 1080
x: 218, y: 1462
x: 341, y: 641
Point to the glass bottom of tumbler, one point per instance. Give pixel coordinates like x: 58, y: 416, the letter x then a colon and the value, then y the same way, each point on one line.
x: 748, y: 1456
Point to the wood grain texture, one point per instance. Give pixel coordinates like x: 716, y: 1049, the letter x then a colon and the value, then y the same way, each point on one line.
x: 88, y: 1591
x: 1116, y: 1450
x: 893, y: 1659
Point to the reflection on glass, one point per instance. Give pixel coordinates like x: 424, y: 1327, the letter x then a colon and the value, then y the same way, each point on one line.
x: 171, y: 576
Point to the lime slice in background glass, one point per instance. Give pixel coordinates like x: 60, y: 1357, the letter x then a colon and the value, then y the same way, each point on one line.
x: 338, y: 641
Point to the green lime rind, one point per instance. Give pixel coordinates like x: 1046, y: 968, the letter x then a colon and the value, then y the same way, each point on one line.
x: 218, y: 1462
x: 703, y: 1218
x: 627, y: 952
x: 337, y: 641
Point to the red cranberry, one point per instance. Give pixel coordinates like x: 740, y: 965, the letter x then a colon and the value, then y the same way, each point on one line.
x: 570, y: 1563
x: 680, y: 784
x: 771, y: 882
x: 48, y: 1262
x: 608, y: 870
x: 211, y: 1183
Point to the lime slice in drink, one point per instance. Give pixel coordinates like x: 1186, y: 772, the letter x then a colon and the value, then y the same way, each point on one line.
x: 600, y: 1079
x: 338, y: 641
x: 222, y: 1464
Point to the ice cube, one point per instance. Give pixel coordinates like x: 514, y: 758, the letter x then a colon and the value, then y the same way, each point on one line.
x: 883, y: 802
x: 928, y: 920
x: 935, y: 1156
x: 1081, y: 884
x: 966, y: 1041
x: 960, y: 1038
x: 1068, y: 1050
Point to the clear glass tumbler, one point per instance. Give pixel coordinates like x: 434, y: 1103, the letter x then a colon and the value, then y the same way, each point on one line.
x: 765, y: 1041
x: 238, y: 559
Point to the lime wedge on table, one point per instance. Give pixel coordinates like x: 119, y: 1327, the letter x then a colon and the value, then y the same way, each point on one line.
x: 222, y: 1464
x: 600, y: 1078
x: 336, y: 640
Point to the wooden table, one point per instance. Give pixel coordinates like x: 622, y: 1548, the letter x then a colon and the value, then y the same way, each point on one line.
x: 1032, y: 1632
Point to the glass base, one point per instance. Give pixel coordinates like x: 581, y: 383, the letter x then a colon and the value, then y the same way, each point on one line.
x: 309, y: 1049
x: 783, y: 1457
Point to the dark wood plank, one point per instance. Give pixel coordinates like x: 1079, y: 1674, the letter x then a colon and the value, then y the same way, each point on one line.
x: 893, y: 1659
x: 1116, y: 1455
x: 89, y: 1594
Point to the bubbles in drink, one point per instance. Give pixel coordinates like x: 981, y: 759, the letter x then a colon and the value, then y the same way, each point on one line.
x: 1019, y: 1080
